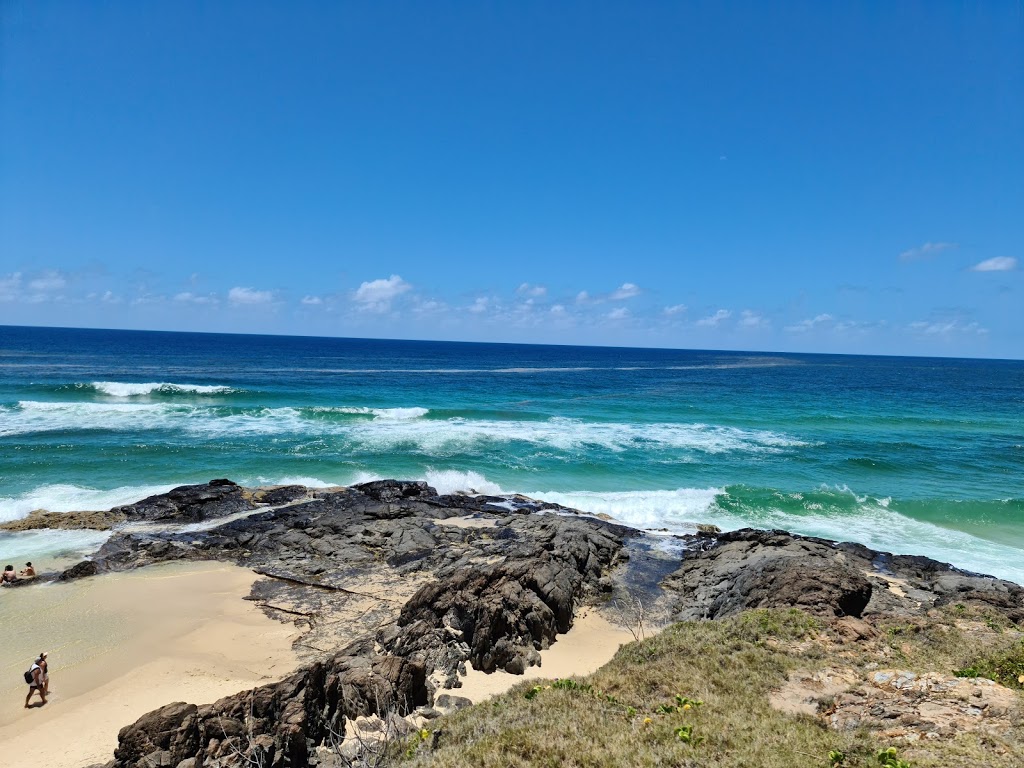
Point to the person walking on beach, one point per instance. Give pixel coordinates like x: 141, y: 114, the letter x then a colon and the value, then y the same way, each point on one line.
x: 44, y: 665
x: 37, y: 684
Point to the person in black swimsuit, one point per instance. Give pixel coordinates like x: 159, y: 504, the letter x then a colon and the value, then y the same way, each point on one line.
x: 38, y: 684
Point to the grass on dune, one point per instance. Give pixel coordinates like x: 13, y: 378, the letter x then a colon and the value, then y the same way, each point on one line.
x: 641, y: 708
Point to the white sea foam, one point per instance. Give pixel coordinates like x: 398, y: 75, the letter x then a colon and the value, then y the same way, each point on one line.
x: 131, y: 389
x: 394, y: 429
x: 676, y: 510
x: 457, y: 435
x: 877, y: 526
x: 454, y: 481
x: 309, y: 482
x: 31, y: 416
x: 73, y: 498
x: 41, y: 545
x: 379, y: 413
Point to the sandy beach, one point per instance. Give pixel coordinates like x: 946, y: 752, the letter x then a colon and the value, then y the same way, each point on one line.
x: 589, y: 645
x: 123, y: 644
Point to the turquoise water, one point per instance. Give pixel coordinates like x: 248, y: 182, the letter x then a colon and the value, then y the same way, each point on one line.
x: 908, y: 455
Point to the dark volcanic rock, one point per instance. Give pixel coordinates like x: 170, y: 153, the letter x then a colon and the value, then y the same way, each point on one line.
x: 493, y: 592
x: 80, y: 570
x: 500, y: 615
x: 767, y: 569
x: 749, y: 568
x: 393, y: 490
x: 190, y: 503
x: 382, y: 572
x: 275, y: 725
x: 280, y: 495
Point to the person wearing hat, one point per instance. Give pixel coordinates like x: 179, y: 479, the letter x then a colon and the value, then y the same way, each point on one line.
x: 38, y: 675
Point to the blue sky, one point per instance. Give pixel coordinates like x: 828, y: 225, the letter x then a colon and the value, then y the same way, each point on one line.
x: 840, y: 177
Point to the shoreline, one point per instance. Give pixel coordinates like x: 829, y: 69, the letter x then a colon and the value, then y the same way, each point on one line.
x: 388, y: 583
x: 123, y: 644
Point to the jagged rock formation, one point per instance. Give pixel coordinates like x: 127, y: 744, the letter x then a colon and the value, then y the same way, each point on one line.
x: 732, y: 572
x: 399, y: 587
x: 431, y: 596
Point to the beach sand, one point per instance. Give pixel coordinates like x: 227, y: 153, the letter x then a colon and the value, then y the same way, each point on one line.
x: 589, y: 645
x: 123, y: 644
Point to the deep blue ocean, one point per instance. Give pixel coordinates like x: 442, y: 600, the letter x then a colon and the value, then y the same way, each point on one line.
x: 911, y: 455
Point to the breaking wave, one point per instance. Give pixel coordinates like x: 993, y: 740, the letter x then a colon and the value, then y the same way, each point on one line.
x: 391, y: 428
x: 131, y: 389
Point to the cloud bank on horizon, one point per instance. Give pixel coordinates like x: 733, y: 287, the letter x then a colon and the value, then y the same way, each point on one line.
x: 531, y: 312
x: 576, y: 173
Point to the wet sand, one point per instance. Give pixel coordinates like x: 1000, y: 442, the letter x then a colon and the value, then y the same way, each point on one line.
x: 123, y: 644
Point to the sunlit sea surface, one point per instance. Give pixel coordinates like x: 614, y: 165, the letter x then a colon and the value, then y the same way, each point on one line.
x: 908, y: 455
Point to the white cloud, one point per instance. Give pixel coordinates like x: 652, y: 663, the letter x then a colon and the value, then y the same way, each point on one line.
x: 109, y: 297
x: 558, y: 310
x: 430, y: 307
x: 925, y: 251
x: 625, y: 291
x: 582, y: 297
x: 479, y: 305
x: 996, y: 264
x: 10, y: 286
x: 49, y: 281
x: 809, y: 324
x: 311, y: 301
x: 712, y: 321
x: 531, y: 290
x: 858, y: 326
x: 187, y: 297
x: 249, y: 296
x: 619, y: 313
x: 377, y: 295
x: 751, y: 319
x: 675, y: 309
x: 947, y: 327
x: 148, y: 298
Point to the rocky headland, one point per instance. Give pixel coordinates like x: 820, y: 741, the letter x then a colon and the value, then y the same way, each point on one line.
x: 397, y: 589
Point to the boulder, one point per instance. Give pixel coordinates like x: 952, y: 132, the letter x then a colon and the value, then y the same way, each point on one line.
x: 190, y: 503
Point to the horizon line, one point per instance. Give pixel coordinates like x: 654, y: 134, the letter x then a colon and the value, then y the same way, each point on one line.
x: 505, y: 343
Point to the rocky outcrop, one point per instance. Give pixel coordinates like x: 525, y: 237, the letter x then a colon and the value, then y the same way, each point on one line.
x: 275, y: 725
x: 70, y: 521
x: 423, y: 584
x: 739, y: 570
x: 398, y: 588
x: 191, y: 503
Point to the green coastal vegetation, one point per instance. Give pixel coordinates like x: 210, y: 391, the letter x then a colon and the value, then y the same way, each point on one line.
x: 700, y: 694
